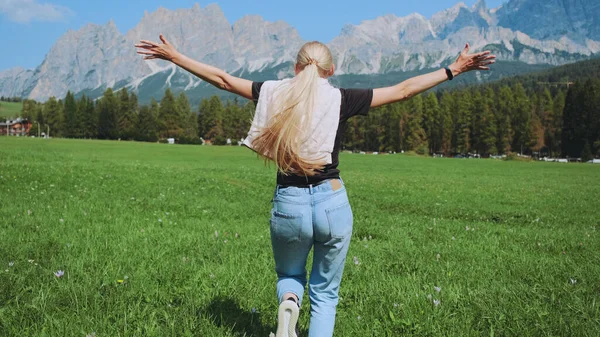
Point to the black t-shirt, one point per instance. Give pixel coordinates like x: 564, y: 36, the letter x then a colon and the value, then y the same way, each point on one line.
x: 354, y: 102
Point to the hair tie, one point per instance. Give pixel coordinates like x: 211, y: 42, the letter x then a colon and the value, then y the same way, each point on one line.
x: 312, y: 61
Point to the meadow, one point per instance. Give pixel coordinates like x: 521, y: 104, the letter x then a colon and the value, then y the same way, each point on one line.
x: 107, y: 238
x: 10, y: 109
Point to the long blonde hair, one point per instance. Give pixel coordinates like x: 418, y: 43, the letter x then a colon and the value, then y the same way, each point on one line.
x: 288, y: 129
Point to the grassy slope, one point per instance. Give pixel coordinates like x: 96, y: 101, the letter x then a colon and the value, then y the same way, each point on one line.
x: 163, y: 220
x: 10, y: 109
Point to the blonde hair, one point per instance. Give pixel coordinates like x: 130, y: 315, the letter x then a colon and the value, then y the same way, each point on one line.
x: 290, y: 126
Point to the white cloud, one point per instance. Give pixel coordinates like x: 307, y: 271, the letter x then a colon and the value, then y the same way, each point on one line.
x: 24, y: 11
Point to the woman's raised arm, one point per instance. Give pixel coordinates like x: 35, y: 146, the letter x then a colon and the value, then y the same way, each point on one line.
x: 210, y: 74
x: 416, y: 85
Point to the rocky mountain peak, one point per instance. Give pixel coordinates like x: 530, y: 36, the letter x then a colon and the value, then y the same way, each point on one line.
x: 99, y: 56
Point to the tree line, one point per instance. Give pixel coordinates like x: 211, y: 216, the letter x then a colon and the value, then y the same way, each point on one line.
x: 15, y: 99
x: 117, y: 115
x: 486, y: 120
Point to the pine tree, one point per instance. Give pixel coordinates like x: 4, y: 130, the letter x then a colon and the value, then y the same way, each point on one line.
x: 414, y: 135
x: 504, y: 107
x: 169, y: 117
x: 554, y: 141
x: 210, y: 120
x: 431, y: 122
x: 146, y: 125
x: 570, y: 121
x: 108, y: 123
x: 53, y: 116
x: 126, y: 115
x: 445, y: 125
x: 187, y: 120
x: 521, y: 118
x: 91, y: 120
x: 488, y: 124
x: 79, y: 123
x: 462, y: 122
x: 70, y: 115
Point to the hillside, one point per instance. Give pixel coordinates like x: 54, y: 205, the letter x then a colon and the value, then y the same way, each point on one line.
x: 10, y: 109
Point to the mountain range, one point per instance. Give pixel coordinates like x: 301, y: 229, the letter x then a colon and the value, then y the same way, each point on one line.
x: 524, y: 34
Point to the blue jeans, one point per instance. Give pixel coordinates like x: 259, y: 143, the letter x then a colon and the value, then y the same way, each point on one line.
x: 303, y: 218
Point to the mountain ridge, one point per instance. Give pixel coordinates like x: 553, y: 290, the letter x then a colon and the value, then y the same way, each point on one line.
x: 100, y: 56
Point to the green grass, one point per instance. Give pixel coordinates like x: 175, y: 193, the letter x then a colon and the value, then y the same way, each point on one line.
x: 10, y: 109
x: 169, y: 240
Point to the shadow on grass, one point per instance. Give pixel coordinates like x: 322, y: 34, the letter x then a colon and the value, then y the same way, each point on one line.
x: 227, y: 313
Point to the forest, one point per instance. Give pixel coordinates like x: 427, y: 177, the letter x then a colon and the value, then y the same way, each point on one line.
x: 552, y: 113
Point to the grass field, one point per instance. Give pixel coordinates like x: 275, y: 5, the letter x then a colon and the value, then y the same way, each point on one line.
x: 169, y: 240
x: 10, y: 109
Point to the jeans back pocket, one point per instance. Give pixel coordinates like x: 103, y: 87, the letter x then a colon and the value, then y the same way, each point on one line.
x: 286, y: 227
x: 340, y: 221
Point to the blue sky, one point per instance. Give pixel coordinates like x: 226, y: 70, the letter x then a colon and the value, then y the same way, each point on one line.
x: 29, y: 28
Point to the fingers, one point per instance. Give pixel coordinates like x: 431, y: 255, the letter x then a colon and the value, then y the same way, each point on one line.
x: 149, y: 43
x: 162, y: 38
x: 145, y: 46
x: 466, y: 50
x: 145, y: 52
x: 489, y: 57
x: 151, y: 57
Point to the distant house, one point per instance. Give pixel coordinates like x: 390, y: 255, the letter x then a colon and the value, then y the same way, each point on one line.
x: 17, y: 127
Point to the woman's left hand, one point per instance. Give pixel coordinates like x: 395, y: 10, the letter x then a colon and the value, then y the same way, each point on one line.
x: 467, y: 62
x: 152, y: 50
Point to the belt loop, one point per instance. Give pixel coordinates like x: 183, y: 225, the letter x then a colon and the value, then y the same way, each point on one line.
x: 277, y: 189
x: 310, y: 188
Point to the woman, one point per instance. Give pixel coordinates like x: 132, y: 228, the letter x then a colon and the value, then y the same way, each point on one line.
x: 298, y: 124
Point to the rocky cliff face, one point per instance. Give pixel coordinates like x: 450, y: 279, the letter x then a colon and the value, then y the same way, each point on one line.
x: 96, y: 57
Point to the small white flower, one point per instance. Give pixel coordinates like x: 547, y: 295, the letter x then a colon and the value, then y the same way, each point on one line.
x: 254, y: 310
x: 355, y: 259
x: 395, y: 305
x: 437, y: 289
x: 453, y: 238
x: 62, y: 220
x: 438, y: 256
x: 216, y: 234
x: 429, y: 297
x: 573, y: 281
x: 159, y: 220
x: 28, y: 212
x: 436, y: 302
x: 30, y: 261
x: 359, y: 318
x: 11, y: 263
x: 467, y: 228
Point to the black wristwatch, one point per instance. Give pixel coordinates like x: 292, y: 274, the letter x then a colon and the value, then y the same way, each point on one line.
x: 449, y: 73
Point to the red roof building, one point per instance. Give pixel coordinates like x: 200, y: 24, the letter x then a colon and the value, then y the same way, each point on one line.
x: 17, y: 127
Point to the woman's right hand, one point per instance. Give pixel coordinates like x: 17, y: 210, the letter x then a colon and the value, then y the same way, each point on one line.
x: 152, y: 50
x: 467, y: 62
